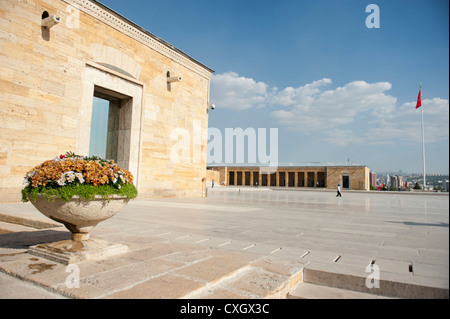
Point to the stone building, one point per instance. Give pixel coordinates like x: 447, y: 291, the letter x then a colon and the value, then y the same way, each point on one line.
x: 352, y: 177
x: 61, y: 61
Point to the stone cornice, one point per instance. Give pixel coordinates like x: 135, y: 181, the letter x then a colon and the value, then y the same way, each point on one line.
x: 120, y: 23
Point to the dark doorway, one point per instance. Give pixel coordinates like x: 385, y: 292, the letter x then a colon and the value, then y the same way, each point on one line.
x: 247, y: 178
x: 310, y: 178
x: 345, y: 181
x: 256, y: 178
x: 321, y: 179
x: 273, y: 179
x: 291, y: 179
x: 282, y: 179
x: 301, y: 179
x: 264, y: 180
x: 239, y: 178
x: 231, y: 178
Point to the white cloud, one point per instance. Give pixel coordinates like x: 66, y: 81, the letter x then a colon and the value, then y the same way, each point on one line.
x: 358, y: 112
x: 231, y: 91
x: 303, y: 95
x: 335, y: 108
x: 342, y: 137
x: 405, y: 123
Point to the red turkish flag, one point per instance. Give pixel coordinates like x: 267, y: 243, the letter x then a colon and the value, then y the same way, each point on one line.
x: 419, y: 99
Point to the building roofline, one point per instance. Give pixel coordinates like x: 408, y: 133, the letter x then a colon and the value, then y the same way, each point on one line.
x: 90, y: 9
x: 289, y: 165
x: 152, y: 35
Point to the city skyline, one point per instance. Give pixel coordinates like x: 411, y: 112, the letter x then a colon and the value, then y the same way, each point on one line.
x: 337, y: 85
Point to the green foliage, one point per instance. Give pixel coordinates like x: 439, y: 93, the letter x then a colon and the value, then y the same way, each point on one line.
x: 73, y: 175
x: 83, y: 191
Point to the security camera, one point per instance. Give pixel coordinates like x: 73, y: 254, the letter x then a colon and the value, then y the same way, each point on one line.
x: 213, y: 106
x: 50, y: 21
x: 174, y: 79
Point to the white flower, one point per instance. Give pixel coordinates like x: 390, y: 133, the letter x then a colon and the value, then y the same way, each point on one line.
x: 61, y: 181
x: 25, y: 181
x: 70, y: 175
x: 80, y: 177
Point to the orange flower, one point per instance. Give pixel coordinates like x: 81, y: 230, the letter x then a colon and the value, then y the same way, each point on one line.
x: 94, y: 171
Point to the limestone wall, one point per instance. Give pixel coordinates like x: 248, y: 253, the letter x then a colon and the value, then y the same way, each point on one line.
x: 45, y: 95
x: 213, y: 175
x: 358, y: 177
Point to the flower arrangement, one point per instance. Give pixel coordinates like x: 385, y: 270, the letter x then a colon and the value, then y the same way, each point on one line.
x: 70, y: 174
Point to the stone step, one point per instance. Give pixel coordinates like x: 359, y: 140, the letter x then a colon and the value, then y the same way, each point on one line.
x: 261, y: 279
x: 312, y: 291
x: 14, y: 228
x: 350, y: 279
x: 34, y: 221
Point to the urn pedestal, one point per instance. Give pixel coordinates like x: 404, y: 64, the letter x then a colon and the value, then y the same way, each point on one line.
x: 79, y: 216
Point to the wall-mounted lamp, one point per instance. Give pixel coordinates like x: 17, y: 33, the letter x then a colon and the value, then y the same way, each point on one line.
x: 174, y: 79
x: 171, y: 79
x: 49, y: 21
x: 211, y: 106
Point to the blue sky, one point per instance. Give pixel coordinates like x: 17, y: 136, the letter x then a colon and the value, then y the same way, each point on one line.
x: 335, y: 89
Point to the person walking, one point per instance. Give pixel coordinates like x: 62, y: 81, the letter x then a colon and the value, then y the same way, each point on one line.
x: 212, y: 183
x: 339, y: 191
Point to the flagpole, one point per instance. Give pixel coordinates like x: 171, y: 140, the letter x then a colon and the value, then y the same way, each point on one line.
x: 423, y: 143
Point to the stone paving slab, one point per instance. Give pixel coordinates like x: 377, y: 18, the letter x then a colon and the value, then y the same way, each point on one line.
x: 205, y: 245
x: 154, y: 269
x: 13, y: 288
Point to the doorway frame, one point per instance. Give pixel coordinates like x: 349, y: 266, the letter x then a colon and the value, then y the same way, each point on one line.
x: 342, y: 181
x: 97, y: 76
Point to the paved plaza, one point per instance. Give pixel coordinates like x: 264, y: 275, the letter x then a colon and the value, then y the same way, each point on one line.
x: 215, y: 247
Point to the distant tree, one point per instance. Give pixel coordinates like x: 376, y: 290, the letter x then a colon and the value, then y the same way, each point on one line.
x: 417, y: 186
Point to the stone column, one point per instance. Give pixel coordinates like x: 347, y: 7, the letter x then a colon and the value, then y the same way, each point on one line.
x: 225, y: 176
x: 296, y: 179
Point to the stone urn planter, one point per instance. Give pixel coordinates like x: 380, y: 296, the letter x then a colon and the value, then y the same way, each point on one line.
x: 79, y: 192
x: 80, y: 216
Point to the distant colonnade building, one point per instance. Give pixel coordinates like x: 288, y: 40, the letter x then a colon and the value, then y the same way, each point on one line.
x: 350, y: 176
